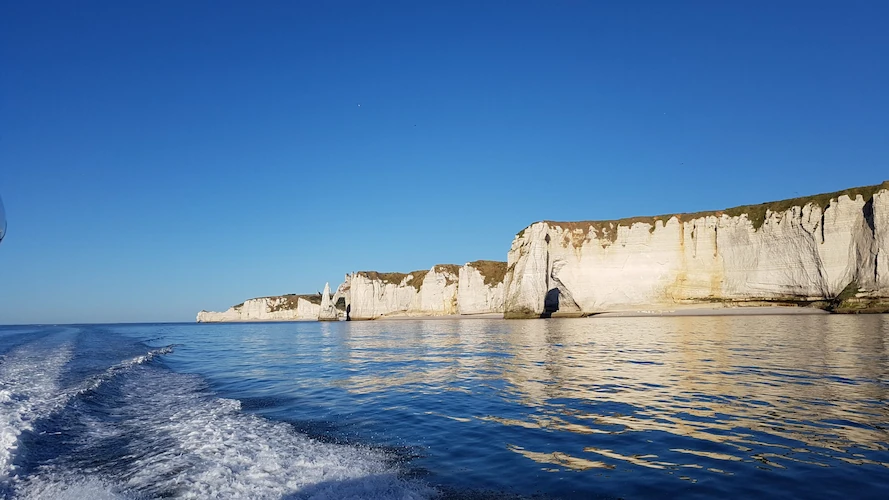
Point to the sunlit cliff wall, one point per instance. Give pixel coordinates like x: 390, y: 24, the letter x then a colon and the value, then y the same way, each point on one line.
x: 445, y: 289
x: 278, y: 308
x: 831, y: 251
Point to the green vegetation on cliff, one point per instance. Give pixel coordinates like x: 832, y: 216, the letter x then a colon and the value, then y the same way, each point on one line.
x: 848, y: 302
x: 289, y: 301
x: 491, y: 270
x: 393, y: 278
x: 757, y: 213
x: 413, y: 278
x: 451, y: 272
x: 578, y: 232
x: 447, y: 268
x: 417, y: 278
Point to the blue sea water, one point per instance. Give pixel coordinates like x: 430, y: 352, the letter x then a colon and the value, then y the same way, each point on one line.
x: 691, y: 407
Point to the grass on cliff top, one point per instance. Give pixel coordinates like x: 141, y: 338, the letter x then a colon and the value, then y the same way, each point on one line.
x: 413, y: 278
x: 757, y: 213
x: 492, y: 271
x: 416, y: 279
x: 290, y: 301
x: 451, y: 272
x: 607, y: 229
x: 394, y: 278
x: 447, y: 268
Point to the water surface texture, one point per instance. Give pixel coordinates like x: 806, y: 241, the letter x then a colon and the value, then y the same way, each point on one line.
x: 648, y: 407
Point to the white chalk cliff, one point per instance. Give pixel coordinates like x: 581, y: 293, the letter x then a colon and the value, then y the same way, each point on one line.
x: 474, y: 288
x: 278, y: 308
x: 829, y: 250
x: 480, y: 287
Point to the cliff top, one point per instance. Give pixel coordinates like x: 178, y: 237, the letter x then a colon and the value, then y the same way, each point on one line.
x: 491, y: 270
x: 290, y: 302
x: 414, y: 278
x: 394, y: 278
x: 755, y: 213
x: 451, y: 272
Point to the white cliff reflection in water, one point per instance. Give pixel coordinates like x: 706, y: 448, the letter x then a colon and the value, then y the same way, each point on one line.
x: 741, y: 405
x: 773, y: 389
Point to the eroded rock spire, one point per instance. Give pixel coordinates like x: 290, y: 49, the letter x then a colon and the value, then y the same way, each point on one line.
x: 328, y: 311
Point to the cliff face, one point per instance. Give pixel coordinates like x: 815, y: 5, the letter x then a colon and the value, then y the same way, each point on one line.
x: 278, y: 308
x: 831, y: 248
x: 475, y: 288
x: 480, y: 287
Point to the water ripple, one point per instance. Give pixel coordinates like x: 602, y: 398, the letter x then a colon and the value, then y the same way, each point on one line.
x: 702, y: 406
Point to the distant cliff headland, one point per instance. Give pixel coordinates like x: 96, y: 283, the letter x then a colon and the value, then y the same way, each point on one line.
x: 443, y: 290
x: 828, y: 251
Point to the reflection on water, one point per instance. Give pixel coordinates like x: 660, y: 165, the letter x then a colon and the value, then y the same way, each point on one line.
x: 741, y: 405
x: 774, y: 389
x: 792, y: 388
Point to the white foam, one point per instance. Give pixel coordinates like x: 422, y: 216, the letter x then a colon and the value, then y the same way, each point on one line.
x: 95, y: 381
x: 186, y: 443
x: 91, y: 489
x: 29, y: 391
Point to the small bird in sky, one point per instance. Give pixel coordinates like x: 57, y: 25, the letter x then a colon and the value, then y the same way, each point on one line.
x: 359, y: 104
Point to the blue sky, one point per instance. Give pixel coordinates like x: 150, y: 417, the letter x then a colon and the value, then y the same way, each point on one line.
x: 158, y: 158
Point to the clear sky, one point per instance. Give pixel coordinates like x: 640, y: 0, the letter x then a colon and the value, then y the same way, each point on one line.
x: 158, y: 158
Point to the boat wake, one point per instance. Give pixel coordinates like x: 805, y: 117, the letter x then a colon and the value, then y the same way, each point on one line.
x: 28, y: 392
x: 139, y: 430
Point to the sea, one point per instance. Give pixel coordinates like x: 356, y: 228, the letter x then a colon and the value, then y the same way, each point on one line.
x: 644, y: 407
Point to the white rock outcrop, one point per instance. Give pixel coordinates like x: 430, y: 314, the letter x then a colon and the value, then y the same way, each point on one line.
x: 327, y: 311
x: 445, y: 289
x: 821, y: 248
x: 278, y: 308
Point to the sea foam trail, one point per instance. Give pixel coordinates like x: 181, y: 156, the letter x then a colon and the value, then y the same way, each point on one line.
x: 183, y: 442
x: 91, y: 383
x: 29, y: 391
